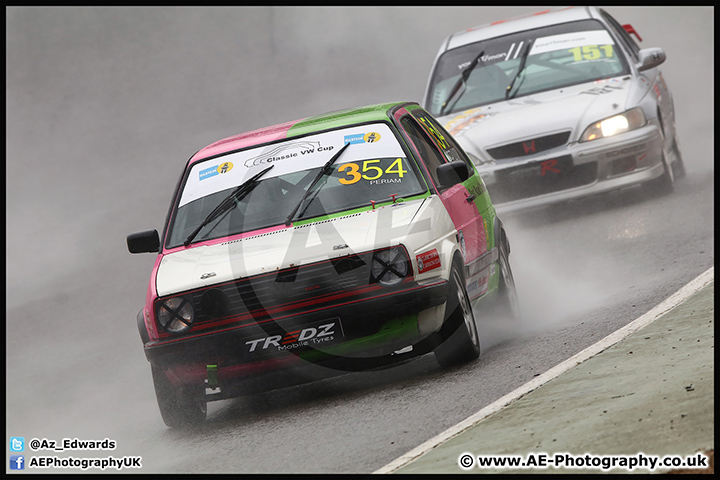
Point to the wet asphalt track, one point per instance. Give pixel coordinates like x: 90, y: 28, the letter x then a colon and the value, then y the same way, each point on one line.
x: 104, y: 106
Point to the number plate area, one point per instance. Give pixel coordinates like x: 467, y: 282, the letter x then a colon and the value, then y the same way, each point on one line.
x: 539, y: 178
x: 311, y: 336
x: 547, y: 170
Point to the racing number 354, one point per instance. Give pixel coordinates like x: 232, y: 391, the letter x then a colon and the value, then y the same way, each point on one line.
x: 352, y: 170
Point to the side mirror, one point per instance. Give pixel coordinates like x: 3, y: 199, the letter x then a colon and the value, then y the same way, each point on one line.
x: 650, y: 58
x: 452, y: 173
x: 144, y: 242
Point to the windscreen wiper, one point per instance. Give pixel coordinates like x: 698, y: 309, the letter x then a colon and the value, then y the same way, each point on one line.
x: 228, y: 203
x: 461, y: 81
x: 325, y: 170
x: 521, y: 67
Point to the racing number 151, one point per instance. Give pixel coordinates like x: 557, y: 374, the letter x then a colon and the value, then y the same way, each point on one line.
x: 591, y: 52
x: 352, y: 170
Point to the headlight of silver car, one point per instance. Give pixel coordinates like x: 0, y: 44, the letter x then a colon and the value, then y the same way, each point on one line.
x: 175, y: 315
x: 630, y: 120
x: 390, y: 266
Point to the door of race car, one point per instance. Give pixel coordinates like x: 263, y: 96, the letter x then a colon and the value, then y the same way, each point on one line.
x: 463, y: 201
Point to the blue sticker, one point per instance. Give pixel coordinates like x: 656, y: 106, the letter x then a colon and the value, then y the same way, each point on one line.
x: 209, y: 172
x: 358, y: 138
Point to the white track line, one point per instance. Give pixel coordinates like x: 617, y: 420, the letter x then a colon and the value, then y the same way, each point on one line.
x: 671, y: 302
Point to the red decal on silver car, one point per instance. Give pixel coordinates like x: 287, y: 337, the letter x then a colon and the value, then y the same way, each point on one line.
x: 548, y: 166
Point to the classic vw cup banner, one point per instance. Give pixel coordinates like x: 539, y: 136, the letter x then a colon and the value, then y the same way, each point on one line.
x: 292, y: 155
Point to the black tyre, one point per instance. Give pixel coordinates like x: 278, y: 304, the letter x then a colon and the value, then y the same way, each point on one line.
x: 678, y: 166
x: 463, y: 344
x: 664, y: 184
x: 179, y: 406
x: 507, y: 307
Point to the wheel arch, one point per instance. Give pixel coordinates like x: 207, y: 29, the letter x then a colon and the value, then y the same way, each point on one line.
x: 142, y: 328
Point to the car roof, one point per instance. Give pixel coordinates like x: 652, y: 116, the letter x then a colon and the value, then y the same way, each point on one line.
x: 518, y: 24
x: 350, y: 116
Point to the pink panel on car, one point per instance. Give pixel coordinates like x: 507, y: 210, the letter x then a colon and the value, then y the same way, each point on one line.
x: 248, y: 139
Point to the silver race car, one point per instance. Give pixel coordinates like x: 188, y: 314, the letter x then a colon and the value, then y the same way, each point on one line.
x: 557, y: 105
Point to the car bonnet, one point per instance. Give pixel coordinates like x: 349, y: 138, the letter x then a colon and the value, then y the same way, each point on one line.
x: 570, y: 108
x: 276, y: 249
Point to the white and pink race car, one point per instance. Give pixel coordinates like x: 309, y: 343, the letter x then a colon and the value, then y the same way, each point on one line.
x: 336, y: 243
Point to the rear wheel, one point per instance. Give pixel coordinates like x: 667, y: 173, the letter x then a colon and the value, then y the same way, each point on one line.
x: 463, y: 345
x: 179, y: 406
x: 506, y: 288
x: 508, y: 305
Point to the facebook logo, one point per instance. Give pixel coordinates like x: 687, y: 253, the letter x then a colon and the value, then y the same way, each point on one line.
x: 17, y: 462
x: 17, y: 444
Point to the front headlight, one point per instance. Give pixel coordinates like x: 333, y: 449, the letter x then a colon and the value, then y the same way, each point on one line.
x: 390, y: 266
x: 175, y: 315
x: 624, y: 122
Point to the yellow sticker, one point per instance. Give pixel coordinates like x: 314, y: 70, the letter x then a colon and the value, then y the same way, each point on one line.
x: 225, y: 167
x: 371, y: 137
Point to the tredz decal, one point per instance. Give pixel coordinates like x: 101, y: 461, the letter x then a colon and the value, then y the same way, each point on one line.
x: 295, y: 339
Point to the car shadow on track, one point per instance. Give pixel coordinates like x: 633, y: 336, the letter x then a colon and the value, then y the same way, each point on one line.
x: 281, y: 404
x: 280, y: 401
x: 632, y: 197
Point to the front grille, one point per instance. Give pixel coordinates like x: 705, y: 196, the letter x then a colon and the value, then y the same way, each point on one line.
x: 288, y: 293
x: 260, y: 294
x: 529, y: 147
x: 535, y: 179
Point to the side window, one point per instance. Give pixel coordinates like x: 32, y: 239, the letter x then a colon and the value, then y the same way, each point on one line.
x: 447, y: 144
x: 429, y: 154
x: 625, y: 38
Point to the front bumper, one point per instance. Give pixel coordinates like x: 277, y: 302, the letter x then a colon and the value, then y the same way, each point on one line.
x: 353, y: 336
x: 524, y: 183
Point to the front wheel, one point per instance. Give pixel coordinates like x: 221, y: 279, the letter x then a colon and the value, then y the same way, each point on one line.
x: 463, y: 344
x: 179, y: 406
x: 664, y: 184
x: 678, y: 165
